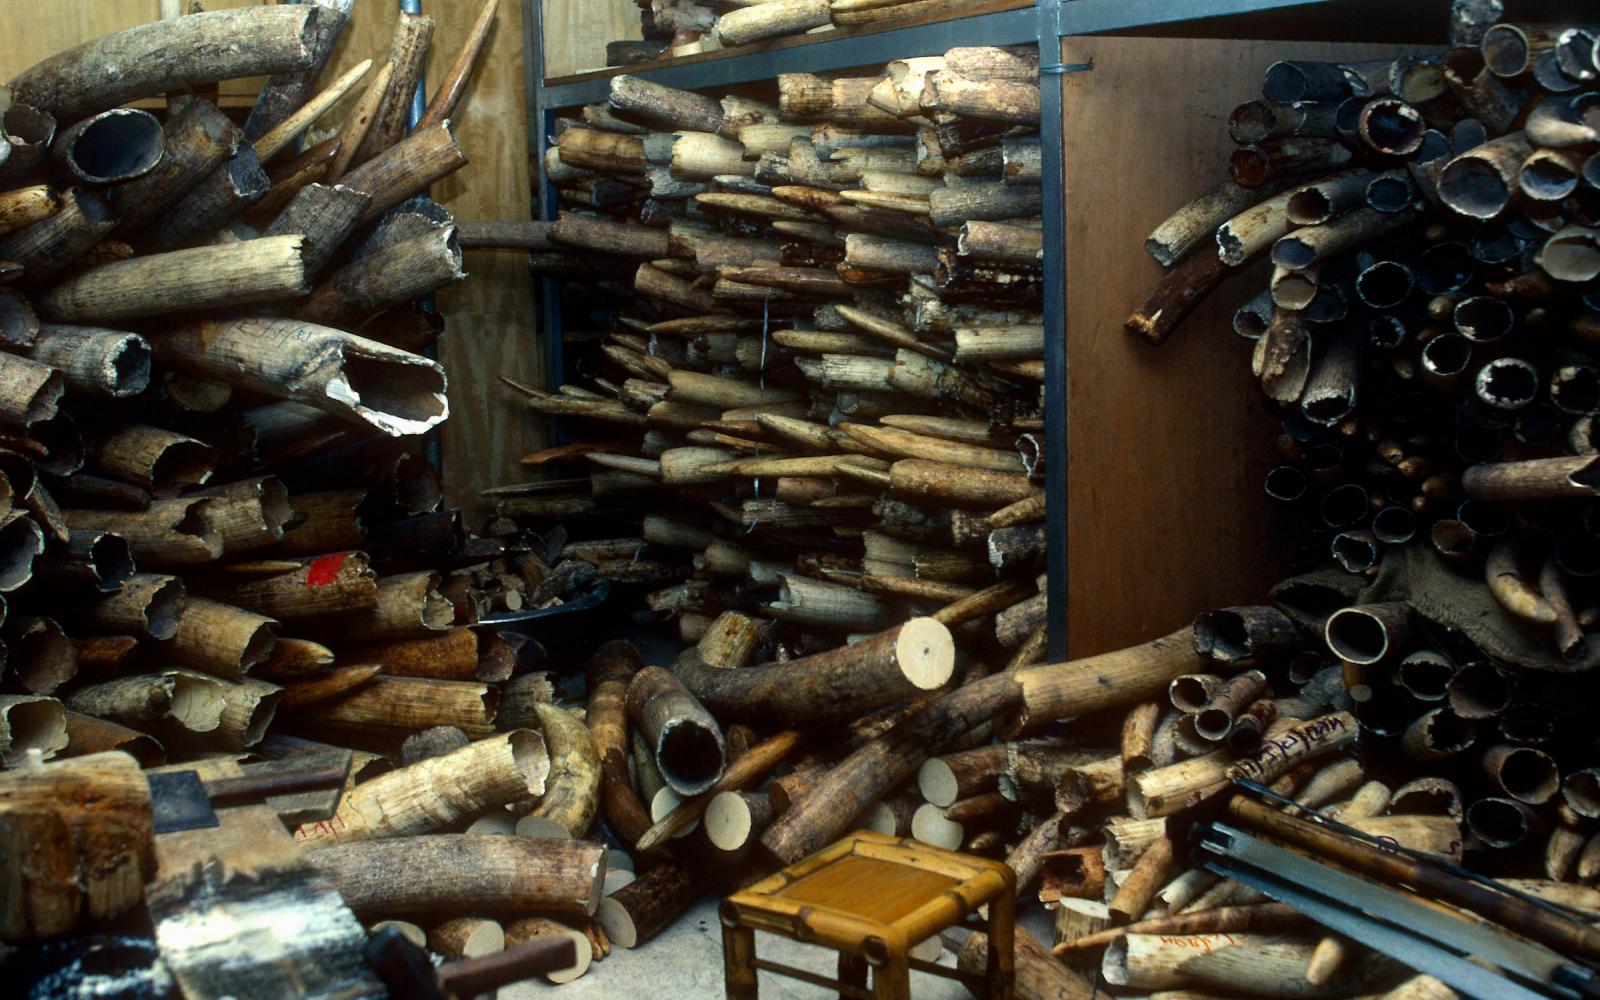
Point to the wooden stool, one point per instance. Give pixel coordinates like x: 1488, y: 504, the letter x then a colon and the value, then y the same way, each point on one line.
x: 871, y: 897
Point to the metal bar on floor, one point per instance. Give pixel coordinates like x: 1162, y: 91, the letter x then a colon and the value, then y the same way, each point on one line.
x: 778, y: 968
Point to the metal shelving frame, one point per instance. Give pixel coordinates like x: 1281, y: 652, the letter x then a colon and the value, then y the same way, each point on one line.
x: 1044, y: 23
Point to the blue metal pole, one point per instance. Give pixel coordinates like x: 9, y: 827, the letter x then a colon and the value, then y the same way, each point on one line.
x: 419, y: 100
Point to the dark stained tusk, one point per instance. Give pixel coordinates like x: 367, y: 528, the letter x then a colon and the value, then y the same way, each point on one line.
x: 1345, y: 505
x: 406, y: 168
x: 1483, y: 182
x: 1499, y: 822
x: 1254, y: 166
x: 285, y: 92
x: 51, y: 245
x: 1509, y: 49
x: 1290, y: 81
x: 1370, y: 634
x: 1390, y: 192
x: 109, y: 363
x: 1259, y: 120
x: 1437, y: 734
x: 196, y: 142
x: 1251, y: 320
x: 1394, y: 525
x: 1483, y: 319
x: 1245, y: 636
x: 393, y: 391
x: 1525, y: 774
x: 1391, y: 127
x: 1444, y: 268
x: 168, y: 56
x: 1491, y: 100
x: 1479, y: 690
x: 1534, y: 479
x: 1286, y: 484
x: 1571, y: 255
x: 1426, y: 675
x: 405, y: 270
x: 25, y: 137
x: 683, y: 735
x: 1385, y: 285
x: 1551, y: 174
x: 1446, y: 360
x: 1507, y: 383
x: 210, y: 205
x: 110, y: 147
x: 1357, y: 551
x: 325, y: 217
x: 1330, y: 392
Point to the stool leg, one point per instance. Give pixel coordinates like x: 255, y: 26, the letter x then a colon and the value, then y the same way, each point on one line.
x: 738, y: 962
x: 892, y: 981
x: 852, y: 970
x: 1001, y: 971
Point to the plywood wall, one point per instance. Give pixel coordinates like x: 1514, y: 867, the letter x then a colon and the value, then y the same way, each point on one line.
x: 1169, y: 445
x: 576, y: 32
x: 491, y: 321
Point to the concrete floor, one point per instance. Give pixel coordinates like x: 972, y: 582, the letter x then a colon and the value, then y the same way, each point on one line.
x: 686, y: 961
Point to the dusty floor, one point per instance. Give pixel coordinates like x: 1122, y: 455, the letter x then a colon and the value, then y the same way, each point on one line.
x: 686, y: 961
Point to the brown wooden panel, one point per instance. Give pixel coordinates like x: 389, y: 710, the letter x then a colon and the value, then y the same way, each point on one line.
x: 576, y: 32
x: 1168, y: 445
x: 492, y: 329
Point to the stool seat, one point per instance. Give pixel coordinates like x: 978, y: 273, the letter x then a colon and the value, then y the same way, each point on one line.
x: 871, y: 898
x: 878, y: 891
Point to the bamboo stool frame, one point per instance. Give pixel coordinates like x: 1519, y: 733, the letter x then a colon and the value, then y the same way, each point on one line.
x: 870, y: 898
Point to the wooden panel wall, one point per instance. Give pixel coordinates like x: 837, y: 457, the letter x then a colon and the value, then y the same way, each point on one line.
x: 491, y: 318
x: 1168, y: 445
x: 576, y: 32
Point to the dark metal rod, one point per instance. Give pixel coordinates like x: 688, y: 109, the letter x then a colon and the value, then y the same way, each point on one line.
x: 811, y: 977
x: 1312, y: 815
x: 419, y: 100
x: 1056, y: 400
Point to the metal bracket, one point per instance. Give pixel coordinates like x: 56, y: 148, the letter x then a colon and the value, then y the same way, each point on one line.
x: 1060, y: 69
